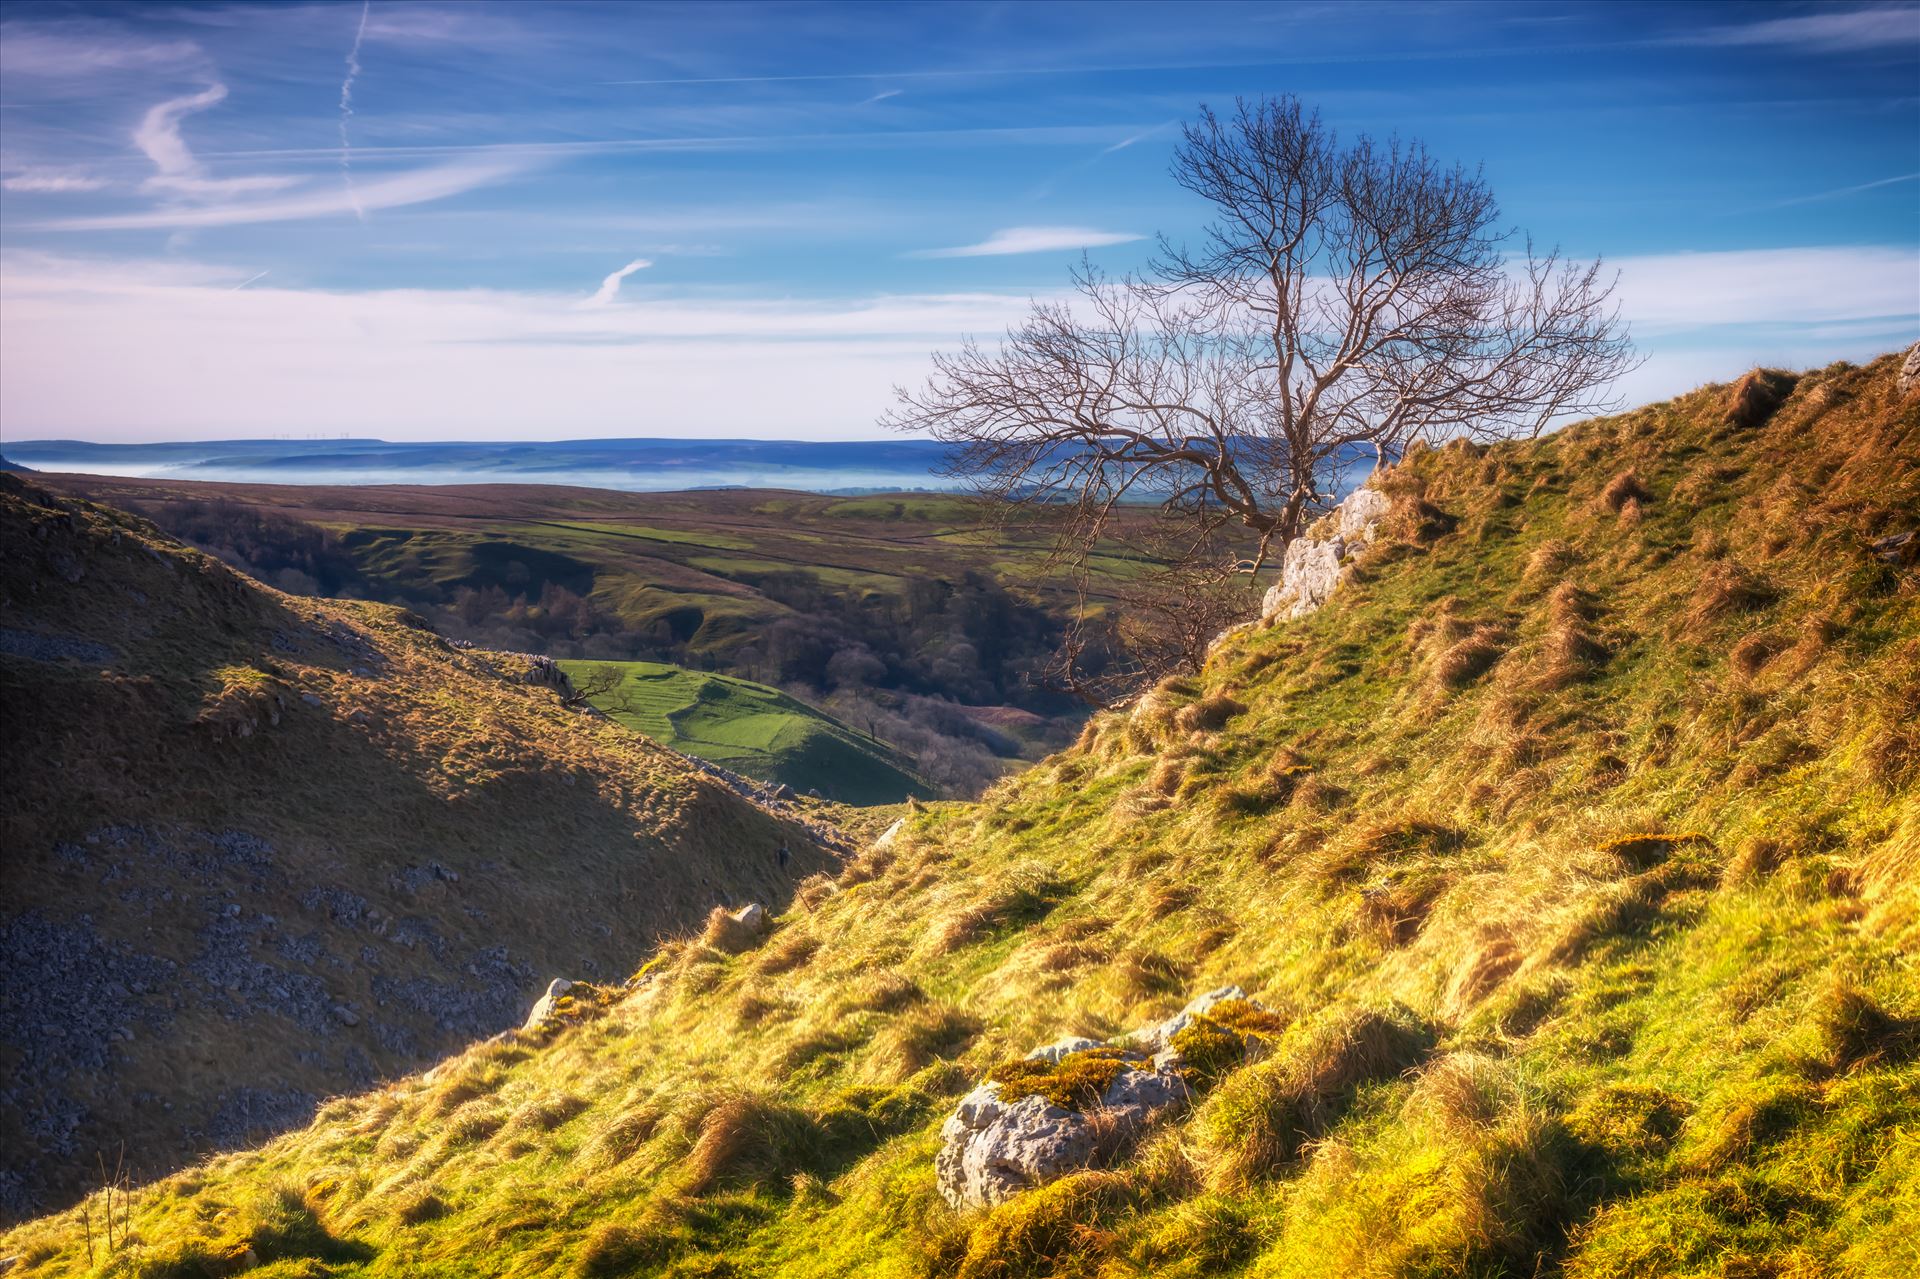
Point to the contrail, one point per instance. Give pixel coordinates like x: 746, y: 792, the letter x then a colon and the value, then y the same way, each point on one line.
x: 346, y: 110
x: 249, y: 280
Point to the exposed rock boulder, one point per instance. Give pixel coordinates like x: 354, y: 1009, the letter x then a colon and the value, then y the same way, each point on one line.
x: 544, y: 1008
x: 1159, y: 1036
x: 1910, y: 370
x: 1062, y: 1047
x: 1076, y: 1101
x: 1316, y: 561
x: 992, y: 1150
x: 994, y: 1146
x: 544, y: 670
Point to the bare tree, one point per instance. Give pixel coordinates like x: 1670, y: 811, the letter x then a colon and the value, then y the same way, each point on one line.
x: 1346, y: 300
x: 596, y: 684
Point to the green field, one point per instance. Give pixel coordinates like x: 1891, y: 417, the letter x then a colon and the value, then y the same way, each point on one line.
x: 752, y: 729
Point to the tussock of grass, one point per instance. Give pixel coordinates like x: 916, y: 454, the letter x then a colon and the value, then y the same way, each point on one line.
x: 1207, y: 715
x: 1629, y: 1121
x: 1854, y: 1030
x: 1725, y: 590
x: 1475, y: 1179
x: 1258, y: 1119
x: 726, y: 934
x: 1468, y: 659
x: 1624, y: 490
x: 1548, y: 561
x: 1755, y: 397
x: 1056, y: 1230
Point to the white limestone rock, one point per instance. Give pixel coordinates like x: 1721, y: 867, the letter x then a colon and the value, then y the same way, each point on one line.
x: 1158, y: 1038
x: 1316, y: 562
x: 1061, y: 1047
x: 991, y: 1150
x: 543, y: 1007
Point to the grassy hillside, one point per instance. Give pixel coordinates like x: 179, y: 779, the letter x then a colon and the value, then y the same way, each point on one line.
x: 704, y: 569
x: 1573, y: 849
x: 901, y: 608
x: 751, y: 729
x: 262, y: 849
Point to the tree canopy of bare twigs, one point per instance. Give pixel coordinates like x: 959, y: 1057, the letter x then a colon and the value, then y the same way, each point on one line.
x: 1347, y: 299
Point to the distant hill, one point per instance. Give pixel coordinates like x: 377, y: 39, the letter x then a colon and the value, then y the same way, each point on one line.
x: 640, y: 464
x: 262, y: 849
x: 1571, y: 853
x: 751, y: 729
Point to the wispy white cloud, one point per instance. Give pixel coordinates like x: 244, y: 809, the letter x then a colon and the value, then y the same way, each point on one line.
x: 882, y: 96
x: 158, y: 134
x: 1047, y: 187
x: 1036, y: 135
x: 417, y: 186
x: 413, y: 363
x: 1826, y: 31
x: 179, y: 173
x: 1670, y: 292
x: 480, y: 26
x: 46, y: 180
x: 1141, y: 136
x: 78, y: 52
x: 610, y: 287
x: 1032, y: 239
x: 346, y: 110
x: 198, y: 188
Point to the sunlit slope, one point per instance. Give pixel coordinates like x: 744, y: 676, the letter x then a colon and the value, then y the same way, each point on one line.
x: 751, y: 729
x: 1595, y: 785
x: 261, y: 849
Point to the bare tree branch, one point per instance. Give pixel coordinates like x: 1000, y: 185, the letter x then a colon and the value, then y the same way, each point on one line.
x: 1346, y: 300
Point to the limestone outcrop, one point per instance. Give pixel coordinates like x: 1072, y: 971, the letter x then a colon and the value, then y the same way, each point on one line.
x: 1071, y: 1104
x: 1317, y: 560
x: 994, y: 1146
x: 544, y: 1008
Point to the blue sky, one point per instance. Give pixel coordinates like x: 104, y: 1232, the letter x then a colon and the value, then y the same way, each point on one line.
x: 401, y: 219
